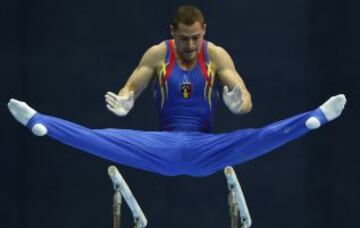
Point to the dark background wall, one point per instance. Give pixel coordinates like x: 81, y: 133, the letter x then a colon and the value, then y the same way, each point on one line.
x: 62, y: 56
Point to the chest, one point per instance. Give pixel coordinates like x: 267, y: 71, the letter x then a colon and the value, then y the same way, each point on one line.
x: 187, y: 84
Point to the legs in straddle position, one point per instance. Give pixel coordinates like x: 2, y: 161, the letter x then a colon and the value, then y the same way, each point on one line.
x: 176, y: 153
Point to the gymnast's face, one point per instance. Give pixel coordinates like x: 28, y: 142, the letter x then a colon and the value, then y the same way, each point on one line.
x: 188, y: 40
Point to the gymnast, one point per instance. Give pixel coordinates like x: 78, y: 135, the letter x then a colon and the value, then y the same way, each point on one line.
x: 187, y: 72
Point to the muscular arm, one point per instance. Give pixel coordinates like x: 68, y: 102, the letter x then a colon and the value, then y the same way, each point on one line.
x: 143, y: 73
x: 123, y: 102
x: 228, y: 76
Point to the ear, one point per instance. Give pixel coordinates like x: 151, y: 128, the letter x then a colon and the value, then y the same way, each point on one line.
x: 172, y: 30
x: 204, y: 26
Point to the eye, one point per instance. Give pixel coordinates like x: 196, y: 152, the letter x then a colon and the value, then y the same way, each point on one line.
x: 196, y: 37
x: 184, y: 38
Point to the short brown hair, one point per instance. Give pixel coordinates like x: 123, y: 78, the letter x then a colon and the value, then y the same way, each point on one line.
x: 187, y: 15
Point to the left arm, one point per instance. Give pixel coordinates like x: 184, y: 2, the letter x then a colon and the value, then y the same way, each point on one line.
x: 229, y: 77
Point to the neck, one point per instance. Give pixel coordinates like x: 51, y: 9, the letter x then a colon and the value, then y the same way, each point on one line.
x: 185, y: 63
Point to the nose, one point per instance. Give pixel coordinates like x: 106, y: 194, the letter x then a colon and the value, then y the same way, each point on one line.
x: 191, y: 44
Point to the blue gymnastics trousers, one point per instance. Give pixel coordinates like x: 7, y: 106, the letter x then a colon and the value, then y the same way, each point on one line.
x: 178, y: 152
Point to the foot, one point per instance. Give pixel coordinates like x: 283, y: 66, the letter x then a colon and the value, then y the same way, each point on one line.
x: 331, y: 109
x: 23, y: 113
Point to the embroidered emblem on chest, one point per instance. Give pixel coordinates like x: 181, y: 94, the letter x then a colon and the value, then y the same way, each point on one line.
x: 186, y: 88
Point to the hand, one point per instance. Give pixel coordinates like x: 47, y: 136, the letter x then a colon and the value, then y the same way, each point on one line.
x: 233, y: 99
x: 119, y: 105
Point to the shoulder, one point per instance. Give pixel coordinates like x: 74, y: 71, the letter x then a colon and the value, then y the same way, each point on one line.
x: 218, y: 56
x: 157, y: 51
x: 215, y: 51
x: 155, y: 54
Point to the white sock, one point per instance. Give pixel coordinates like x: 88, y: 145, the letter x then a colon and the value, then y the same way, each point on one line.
x: 333, y: 107
x: 23, y: 113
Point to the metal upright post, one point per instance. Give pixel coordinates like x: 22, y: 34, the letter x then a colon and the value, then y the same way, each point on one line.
x: 237, y: 193
x: 124, y: 191
x: 117, y: 201
x: 234, y: 211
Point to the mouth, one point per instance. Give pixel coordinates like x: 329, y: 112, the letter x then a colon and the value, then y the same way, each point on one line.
x: 188, y: 53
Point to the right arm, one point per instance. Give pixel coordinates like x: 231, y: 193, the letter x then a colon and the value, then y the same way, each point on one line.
x: 143, y: 73
x: 122, y: 102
